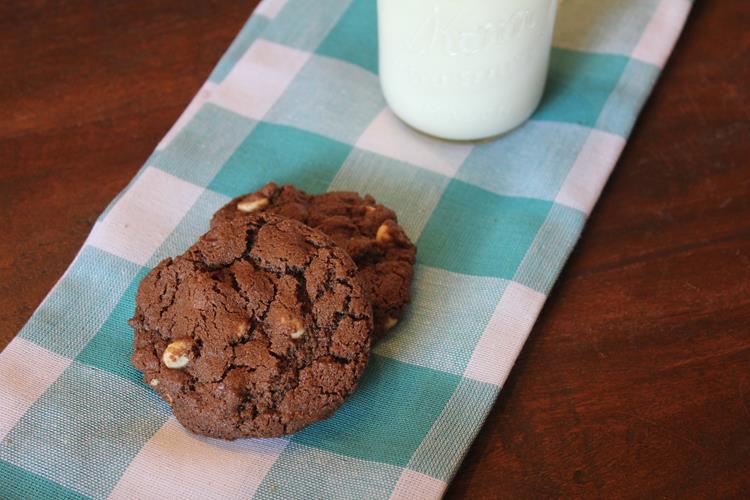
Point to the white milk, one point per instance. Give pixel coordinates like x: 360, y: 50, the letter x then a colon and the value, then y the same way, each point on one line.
x: 464, y: 69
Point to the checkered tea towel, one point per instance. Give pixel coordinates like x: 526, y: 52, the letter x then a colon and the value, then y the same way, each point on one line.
x: 296, y: 99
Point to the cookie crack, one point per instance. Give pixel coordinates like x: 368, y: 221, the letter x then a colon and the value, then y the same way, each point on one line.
x: 237, y: 288
x: 218, y: 291
x: 264, y: 316
x: 165, y: 291
x: 303, y: 297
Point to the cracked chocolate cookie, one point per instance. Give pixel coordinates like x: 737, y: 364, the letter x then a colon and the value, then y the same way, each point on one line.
x: 368, y: 231
x: 259, y: 329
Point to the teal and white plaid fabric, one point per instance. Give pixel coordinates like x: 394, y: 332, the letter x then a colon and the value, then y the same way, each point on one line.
x: 296, y: 99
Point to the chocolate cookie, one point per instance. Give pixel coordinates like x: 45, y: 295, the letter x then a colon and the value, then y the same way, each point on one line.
x: 369, y: 232
x: 259, y: 329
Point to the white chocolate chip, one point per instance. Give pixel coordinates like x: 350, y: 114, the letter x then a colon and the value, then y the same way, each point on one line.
x: 154, y: 382
x: 248, y: 206
x: 369, y: 209
x: 390, y: 323
x: 242, y: 327
x: 383, y: 235
x: 298, y: 330
x: 176, y: 354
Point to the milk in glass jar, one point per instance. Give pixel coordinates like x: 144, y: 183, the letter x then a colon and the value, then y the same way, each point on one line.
x: 464, y: 69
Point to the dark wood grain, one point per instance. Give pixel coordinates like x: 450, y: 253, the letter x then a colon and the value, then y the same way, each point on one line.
x: 635, y: 381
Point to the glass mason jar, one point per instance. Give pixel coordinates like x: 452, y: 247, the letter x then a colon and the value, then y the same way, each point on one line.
x: 464, y: 69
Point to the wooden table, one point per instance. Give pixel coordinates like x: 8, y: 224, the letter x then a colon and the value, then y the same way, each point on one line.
x: 636, y: 379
